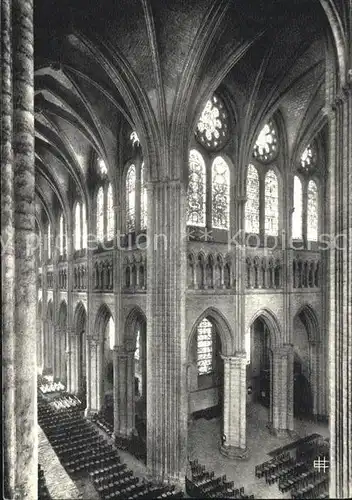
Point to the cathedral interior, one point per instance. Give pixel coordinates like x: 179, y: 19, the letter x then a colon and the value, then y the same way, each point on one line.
x: 176, y: 248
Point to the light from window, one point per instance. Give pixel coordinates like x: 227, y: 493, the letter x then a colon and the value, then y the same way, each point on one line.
x: 271, y: 204
x: 312, y: 212
x: 84, y: 226
x: 252, y: 203
x: 247, y: 346
x: 102, y: 167
x: 134, y: 139
x: 212, y: 127
x: 297, y: 216
x: 309, y: 158
x: 110, y: 214
x: 100, y: 214
x: 131, y: 198
x: 220, y: 194
x: 49, y: 241
x: 196, y: 190
x: 205, y: 347
x: 137, y: 352
x: 265, y: 148
x: 62, y: 230
x: 111, y: 333
x: 78, y: 227
x: 143, y: 199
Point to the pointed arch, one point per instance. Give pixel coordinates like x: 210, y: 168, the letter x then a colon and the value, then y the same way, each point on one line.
x: 309, y: 318
x: 134, y: 319
x: 271, y: 205
x: 252, y: 204
x: 220, y: 185
x: 101, y: 320
x: 222, y: 327
x: 100, y: 214
x: 80, y: 318
x: 196, y: 191
x: 271, y: 322
x: 297, y: 215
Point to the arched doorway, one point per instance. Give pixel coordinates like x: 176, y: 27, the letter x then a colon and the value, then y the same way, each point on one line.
x: 205, y: 372
x: 306, y: 364
x: 259, y: 369
x: 209, y: 355
x: 135, y: 346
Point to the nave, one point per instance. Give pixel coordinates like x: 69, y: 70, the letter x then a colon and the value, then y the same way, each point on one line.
x: 278, y: 467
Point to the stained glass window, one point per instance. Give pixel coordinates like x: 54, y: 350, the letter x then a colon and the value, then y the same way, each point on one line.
x: 49, y: 241
x: 212, y: 127
x: 205, y: 347
x: 271, y: 204
x: 84, y: 226
x: 137, y: 352
x: 265, y: 148
x: 62, y: 232
x: 252, y: 203
x: 297, y: 219
x: 110, y: 213
x: 78, y: 227
x: 100, y: 214
x: 111, y: 333
x: 312, y: 211
x: 309, y: 158
x: 196, y: 190
x: 143, y: 200
x: 102, y: 167
x: 131, y: 198
x: 220, y: 193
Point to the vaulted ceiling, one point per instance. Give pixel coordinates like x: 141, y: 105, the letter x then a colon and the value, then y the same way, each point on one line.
x: 106, y: 66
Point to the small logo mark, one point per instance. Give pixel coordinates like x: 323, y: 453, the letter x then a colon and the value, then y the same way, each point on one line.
x: 321, y: 464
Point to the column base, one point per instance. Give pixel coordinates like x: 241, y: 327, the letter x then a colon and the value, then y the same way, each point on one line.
x: 89, y: 413
x: 234, y: 452
x: 282, y: 432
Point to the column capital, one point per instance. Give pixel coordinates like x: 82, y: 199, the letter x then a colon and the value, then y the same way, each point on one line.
x: 238, y: 358
x: 283, y: 350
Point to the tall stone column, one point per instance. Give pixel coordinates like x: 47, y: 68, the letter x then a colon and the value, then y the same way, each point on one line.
x: 281, y: 397
x: 69, y: 361
x: 340, y: 293
x: 235, y: 397
x: 94, y: 393
x: 18, y: 262
x: 124, y: 406
x: 166, y: 333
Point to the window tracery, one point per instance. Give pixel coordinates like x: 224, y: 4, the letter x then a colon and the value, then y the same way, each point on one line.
x: 213, y: 125
x: 78, y: 227
x: 271, y: 208
x: 100, y: 214
x: 205, y: 347
x: 196, y: 193
x: 131, y: 198
x: 309, y: 158
x: 312, y: 211
x: 110, y: 216
x: 102, y: 167
x: 252, y: 203
x: 220, y: 193
x: 143, y: 200
x: 49, y: 241
x: 297, y: 215
x: 266, y: 146
x: 138, y: 341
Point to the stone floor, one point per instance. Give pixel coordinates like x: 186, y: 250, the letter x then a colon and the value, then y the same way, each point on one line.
x: 203, y: 444
x: 204, y: 440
